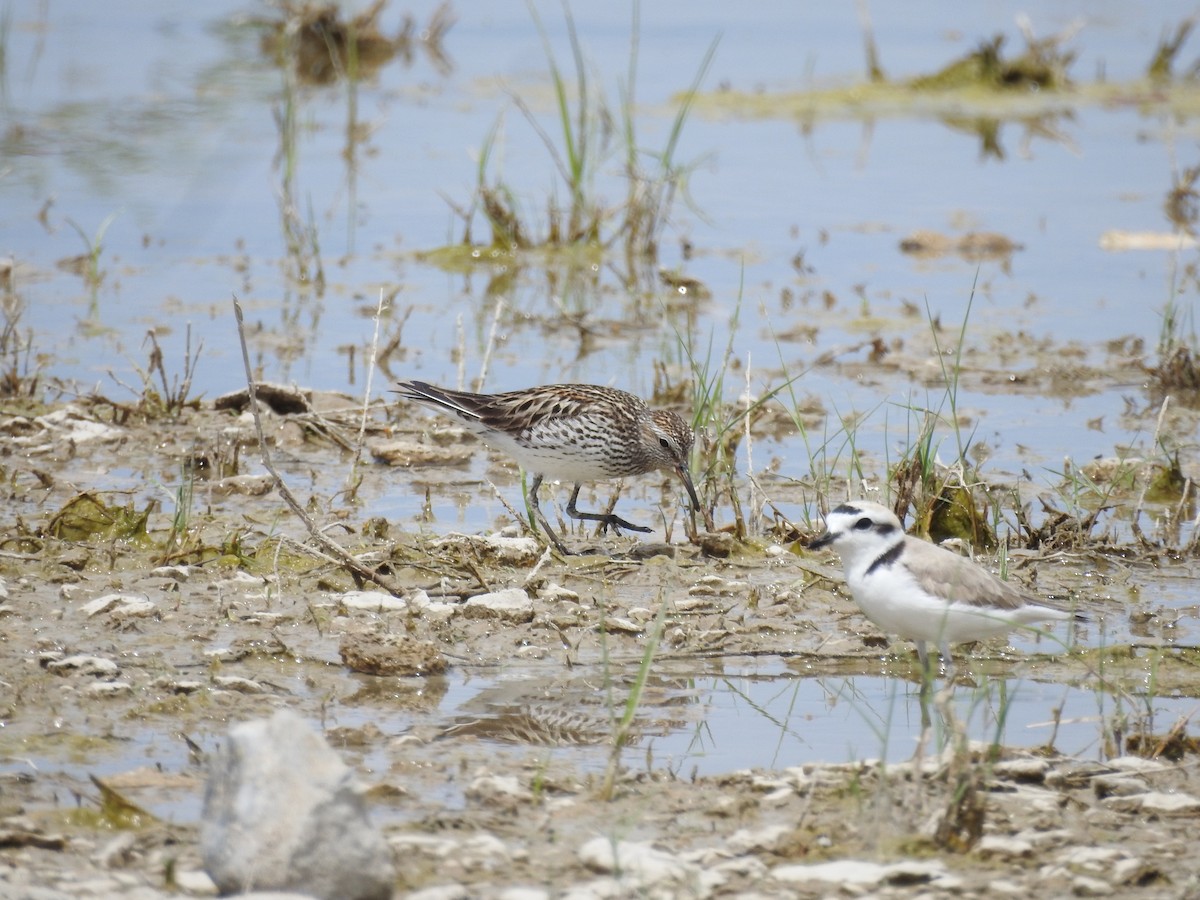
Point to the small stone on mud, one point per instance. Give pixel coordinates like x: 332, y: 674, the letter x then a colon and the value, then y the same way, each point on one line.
x: 619, y: 625
x: 716, y: 544
x: 238, y: 684
x: 1177, y: 804
x: 375, y: 601
x: 391, y: 654
x: 504, y: 549
x: 652, y: 549
x: 245, y: 485
x: 552, y: 593
x: 636, y: 860
x: 175, y: 573
x: 1003, y: 847
x: 414, y: 453
x: 109, y: 688
x: 509, y: 605
x: 1029, y: 769
x: 79, y: 664
x: 121, y: 606
x: 1082, y: 886
x: 497, y: 789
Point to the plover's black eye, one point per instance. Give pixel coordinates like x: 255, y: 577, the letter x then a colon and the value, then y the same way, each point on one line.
x: 863, y: 524
x: 664, y: 443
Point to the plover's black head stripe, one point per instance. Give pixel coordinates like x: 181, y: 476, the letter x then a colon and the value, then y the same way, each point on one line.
x: 887, y: 558
x: 848, y: 508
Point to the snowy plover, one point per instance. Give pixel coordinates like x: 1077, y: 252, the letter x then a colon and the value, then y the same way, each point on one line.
x: 919, y: 591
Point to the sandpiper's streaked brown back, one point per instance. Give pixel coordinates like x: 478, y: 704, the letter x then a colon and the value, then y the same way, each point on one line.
x: 571, y: 432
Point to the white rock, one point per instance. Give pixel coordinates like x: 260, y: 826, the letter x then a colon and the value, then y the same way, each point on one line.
x: 1170, y: 804
x: 1095, y: 859
x: 554, y: 593
x: 1004, y: 847
x: 376, y: 601
x: 194, y: 881
x: 441, y: 892
x: 841, y: 871
x: 1026, y: 769
x: 239, y: 684
x: 493, y: 788
x: 123, y: 606
x: 422, y: 843
x: 1127, y: 870
x: 108, y: 688
x: 282, y: 811
x: 1083, y: 886
x: 1135, y: 764
x: 523, y: 893
x: 508, y: 605
x: 482, y: 851
x: 633, y: 859
x: 77, y: 430
x: 766, y: 839
x: 620, y: 625
x: 861, y: 873
x: 79, y: 664
x: 1005, y: 888
x: 512, y: 550
x: 175, y: 573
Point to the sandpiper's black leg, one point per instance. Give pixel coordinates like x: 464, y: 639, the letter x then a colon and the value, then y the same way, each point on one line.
x: 540, y: 516
x: 606, y: 520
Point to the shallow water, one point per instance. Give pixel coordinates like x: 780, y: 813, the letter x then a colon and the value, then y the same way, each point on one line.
x: 163, y: 117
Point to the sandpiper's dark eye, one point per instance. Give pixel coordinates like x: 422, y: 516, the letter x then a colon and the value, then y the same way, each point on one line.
x: 863, y: 524
x: 664, y: 443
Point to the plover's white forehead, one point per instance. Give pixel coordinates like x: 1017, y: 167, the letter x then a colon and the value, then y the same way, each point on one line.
x: 862, y: 516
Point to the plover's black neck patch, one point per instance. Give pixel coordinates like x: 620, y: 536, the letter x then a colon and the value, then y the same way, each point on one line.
x: 887, y: 557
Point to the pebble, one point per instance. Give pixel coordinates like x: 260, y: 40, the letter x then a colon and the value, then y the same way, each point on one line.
x: 96, y: 666
x: 391, y: 654
x: 508, y: 605
x: 121, y: 606
x: 766, y: 839
x: 1170, y: 804
x: 1083, y: 886
x: 868, y: 874
x: 497, y: 789
x: 442, y: 892
x: 620, y: 625
x: 635, y: 860
x: 108, y: 688
x: 554, y: 593
x: 1025, y: 769
x: 1002, y: 847
x: 504, y: 549
x: 1117, y: 786
x: 432, y: 610
x: 238, y: 684
x: 839, y: 872
x: 175, y: 573
x: 375, y: 601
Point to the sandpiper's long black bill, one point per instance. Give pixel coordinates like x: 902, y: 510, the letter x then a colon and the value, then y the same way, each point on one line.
x: 686, y: 477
